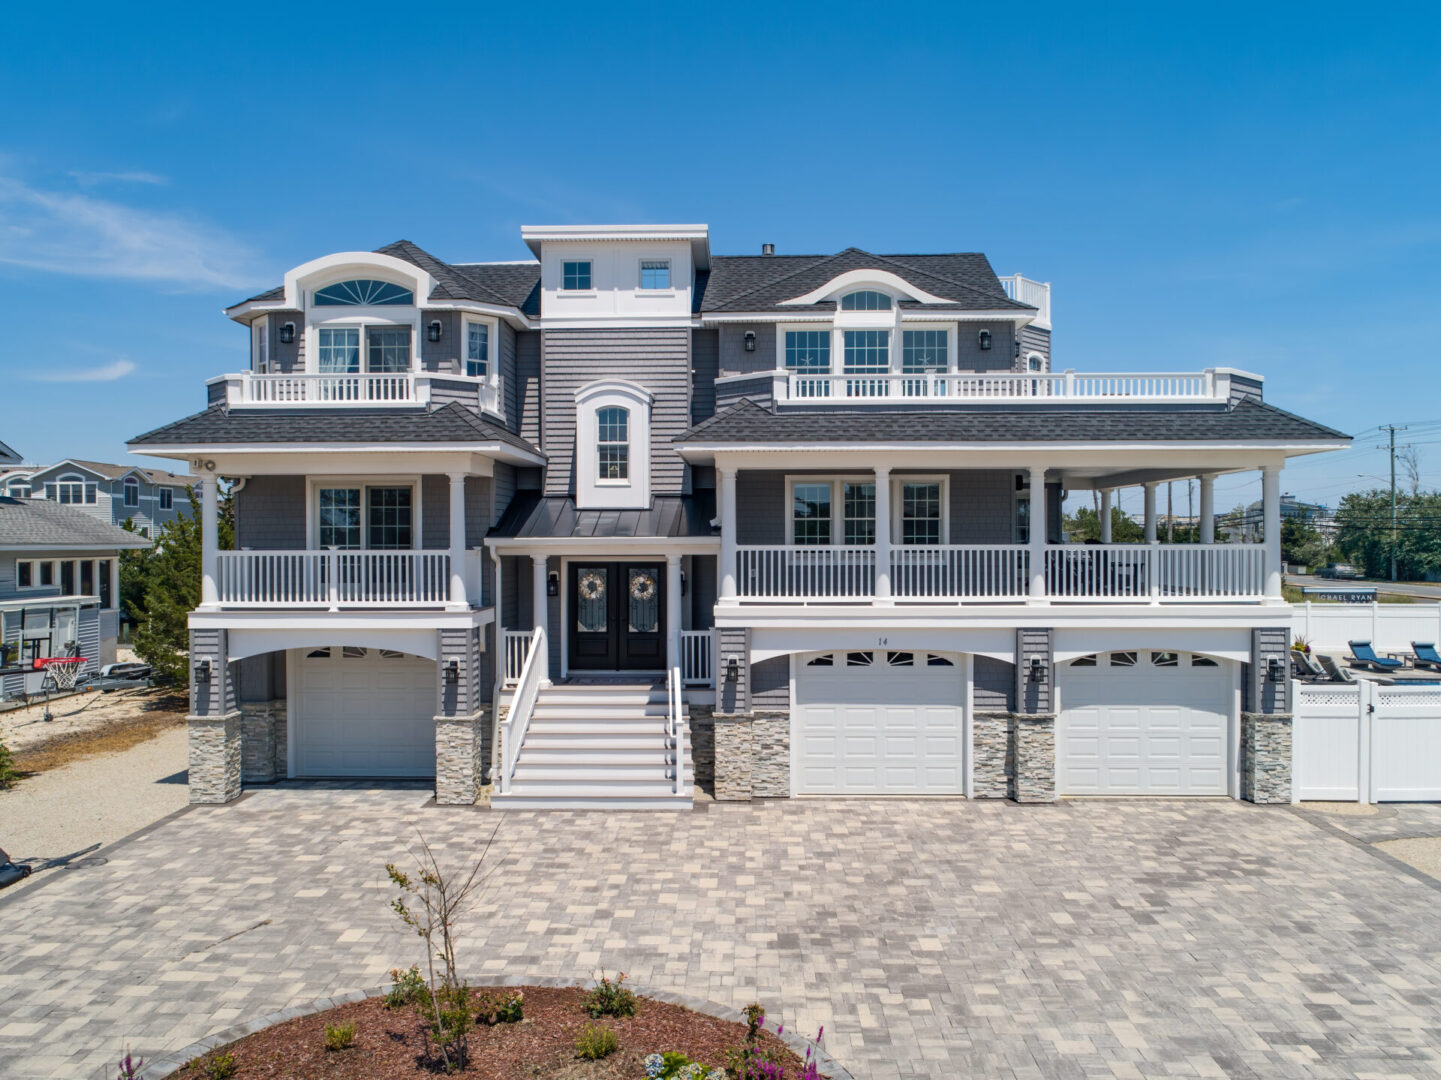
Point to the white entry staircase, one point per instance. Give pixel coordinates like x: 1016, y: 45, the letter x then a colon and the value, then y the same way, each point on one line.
x: 599, y: 745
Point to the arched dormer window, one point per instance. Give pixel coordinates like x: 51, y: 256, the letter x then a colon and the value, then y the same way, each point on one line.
x: 865, y: 300
x: 612, y: 446
x: 131, y: 491
x: 19, y: 489
x: 1035, y: 362
x: 363, y: 291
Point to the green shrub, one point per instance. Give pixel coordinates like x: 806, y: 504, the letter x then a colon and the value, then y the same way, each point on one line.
x: 406, y: 987
x: 608, y: 998
x: 339, y: 1036
x: 595, y: 1042
x: 220, y: 1065
x: 8, y: 773
x: 503, y: 1007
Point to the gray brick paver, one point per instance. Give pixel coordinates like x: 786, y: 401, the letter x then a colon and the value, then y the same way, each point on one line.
x: 934, y: 939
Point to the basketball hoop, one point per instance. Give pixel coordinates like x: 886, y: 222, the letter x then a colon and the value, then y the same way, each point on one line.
x: 62, y: 670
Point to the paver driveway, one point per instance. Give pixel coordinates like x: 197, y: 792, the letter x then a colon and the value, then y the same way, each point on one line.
x: 934, y: 939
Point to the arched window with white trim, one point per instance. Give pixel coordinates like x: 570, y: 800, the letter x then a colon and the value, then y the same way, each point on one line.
x: 1035, y: 362
x: 612, y: 446
x: 70, y: 488
x: 130, y: 492
x: 866, y: 300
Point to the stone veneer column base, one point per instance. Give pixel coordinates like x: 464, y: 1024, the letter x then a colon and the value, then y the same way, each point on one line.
x: 214, y: 757
x: 734, y: 758
x: 1033, y: 739
x: 701, y: 737
x: 1266, y: 757
x: 994, y: 764
x: 770, y: 755
x: 263, y: 738
x: 460, y: 747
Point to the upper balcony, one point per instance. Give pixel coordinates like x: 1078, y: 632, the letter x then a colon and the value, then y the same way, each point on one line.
x: 361, y: 390
x: 1035, y: 293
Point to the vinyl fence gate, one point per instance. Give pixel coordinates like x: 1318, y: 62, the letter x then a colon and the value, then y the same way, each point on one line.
x: 1366, y: 743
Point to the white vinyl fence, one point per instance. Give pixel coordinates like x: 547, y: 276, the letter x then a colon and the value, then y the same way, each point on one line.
x: 1389, y: 627
x: 1367, y: 742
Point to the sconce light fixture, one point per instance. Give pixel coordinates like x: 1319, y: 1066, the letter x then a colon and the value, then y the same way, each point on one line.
x: 287, y: 333
x: 432, y: 332
x: 1275, y: 669
x: 202, y: 670
x: 733, y: 670
x: 750, y: 341
x: 984, y: 339
x: 452, y: 672
x: 552, y: 584
x: 1038, y: 670
x: 682, y: 583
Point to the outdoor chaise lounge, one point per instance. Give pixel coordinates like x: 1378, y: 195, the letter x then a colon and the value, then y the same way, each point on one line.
x: 1362, y: 655
x: 1306, y: 667
x: 1334, y: 671
x: 1425, y: 655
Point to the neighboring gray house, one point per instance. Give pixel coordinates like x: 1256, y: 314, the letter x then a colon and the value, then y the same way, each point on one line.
x: 112, y: 493
x: 8, y: 456
x: 59, y: 586
x: 584, y: 525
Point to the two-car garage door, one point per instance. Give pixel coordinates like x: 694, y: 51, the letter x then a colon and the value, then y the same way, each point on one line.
x: 364, y: 712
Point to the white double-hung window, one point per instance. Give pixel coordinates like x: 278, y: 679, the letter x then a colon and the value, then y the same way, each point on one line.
x: 477, y: 349
x: 842, y: 510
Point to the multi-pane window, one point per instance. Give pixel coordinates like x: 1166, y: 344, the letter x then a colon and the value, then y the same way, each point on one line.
x: 167, y: 498
x: 340, y: 517
x: 575, y: 275
x: 477, y: 349
x: 868, y: 352
x: 338, y: 350
x: 655, y: 274
x: 860, y: 512
x: 808, y: 351
x: 389, y: 518
x: 920, y: 512
x: 612, y: 442
x: 363, y: 292
x: 70, y: 489
x: 923, y: 351
x: 866, y: 300
x: 811, y: 513
x: 130, y: 491
x: 389, y: 349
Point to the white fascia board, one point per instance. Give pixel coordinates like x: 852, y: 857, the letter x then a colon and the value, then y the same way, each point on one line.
x: 241, y: 312
x: 499, y: 451
x: 934, y: 316
x: 617, y: 322
x: 698, y: 235
x: 138, y: 544
x: 1013, y: 448
x: 69, y: 463
x: 637, y: 546
x: 221, y: 619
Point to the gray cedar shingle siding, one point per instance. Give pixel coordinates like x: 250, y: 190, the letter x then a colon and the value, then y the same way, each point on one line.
x: 759, y: 389
x: 994, y: 685
x: 1262, y: 695
x: 1034, y: 340
x: 270, y: 514
x: 527, y: 385
x: 734, y: 360
x: 771, y: 684
x: 434, y: 513
x: 505, y: 359
x: 1033, y: 696
x: 1001, y: 356
x: 442, y: 355
x: 658, y: 360
x: 705, y: 358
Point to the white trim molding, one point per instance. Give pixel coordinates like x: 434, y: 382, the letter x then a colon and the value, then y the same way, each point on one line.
x: 592, y: 491
x: 881, y: 280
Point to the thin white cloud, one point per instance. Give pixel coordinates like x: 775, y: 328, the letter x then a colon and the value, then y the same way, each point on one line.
x: 138, y: 176
x: 70, y: 233
x: 117, y: 369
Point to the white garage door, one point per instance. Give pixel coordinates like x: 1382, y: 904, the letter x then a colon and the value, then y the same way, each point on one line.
x: 877, y: 723
x: 1144, y: 723
x: 364, y: 712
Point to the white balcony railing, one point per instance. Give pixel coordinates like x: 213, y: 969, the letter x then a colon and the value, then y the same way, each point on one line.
x: 516, y: 643
x: 942, y: 388
x: 357, y: 390
x: 1000, y: 573
x: 697, y: 657
x: 1035, y: 293
x: 333, y: 579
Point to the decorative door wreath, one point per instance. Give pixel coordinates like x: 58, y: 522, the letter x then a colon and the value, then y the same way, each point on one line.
x: 591, y: 585
x: 642, y: 587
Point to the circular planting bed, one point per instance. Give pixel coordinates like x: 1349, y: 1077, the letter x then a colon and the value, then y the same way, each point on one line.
x: 390, y: 1043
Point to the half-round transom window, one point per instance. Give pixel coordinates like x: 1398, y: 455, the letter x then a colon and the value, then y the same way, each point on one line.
x: 363, y: 291
x: 866, y: 300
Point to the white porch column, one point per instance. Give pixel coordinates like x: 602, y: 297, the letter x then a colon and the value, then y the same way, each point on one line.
x: 115, y: 581
x: 1038, y: 532
x: 1150, y: 513
x: 728, y: 534
x: 457, y: 540
x: 1105, y: 515
x: 209, y: 540
x: 1208, y: 508
x: 540, y: 610
x: 883, y: 534
x: 1271, y: 523
x: 672, y: 611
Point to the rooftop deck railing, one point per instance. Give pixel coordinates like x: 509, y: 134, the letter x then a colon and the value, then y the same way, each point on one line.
x: 363, y: 389
x: 1002, y: 388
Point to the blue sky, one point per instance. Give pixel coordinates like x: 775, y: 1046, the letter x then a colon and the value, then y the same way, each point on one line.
x: 1204, y: 185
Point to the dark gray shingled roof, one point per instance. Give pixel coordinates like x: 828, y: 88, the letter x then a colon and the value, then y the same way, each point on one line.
x: 35, y: 522
x: 1247, y: 421
x: 531, y: 515
x: 8, y: 456
x: 215, y: 426
x: 762, y: 282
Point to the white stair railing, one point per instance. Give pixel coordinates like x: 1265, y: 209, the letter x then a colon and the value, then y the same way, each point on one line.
x: 522, y: 704
x: 516, y: 643
x: 675, y: 727
x: 697, y: 648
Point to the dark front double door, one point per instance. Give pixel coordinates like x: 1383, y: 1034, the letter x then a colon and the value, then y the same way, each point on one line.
x: 617, y: 616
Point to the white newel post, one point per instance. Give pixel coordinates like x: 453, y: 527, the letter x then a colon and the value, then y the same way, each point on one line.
x: 1038, y: 532
x: 1208, y: 508
x: 672, y: 611
x: 728, y: 535
x: 883, y: 534
x: 1105, y: 515
x: 209, y: 540
x: 1271, y: 523
x: 457, y: 540
x: 1150, y: 517
x: 540, y: 610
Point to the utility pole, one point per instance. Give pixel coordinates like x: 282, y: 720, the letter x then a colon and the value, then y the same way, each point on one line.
x: 1392, y: 428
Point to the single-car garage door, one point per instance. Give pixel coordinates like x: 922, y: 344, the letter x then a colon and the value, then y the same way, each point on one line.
x: 364, y: 712
x: 877, y: 723
x: 1144, y: 723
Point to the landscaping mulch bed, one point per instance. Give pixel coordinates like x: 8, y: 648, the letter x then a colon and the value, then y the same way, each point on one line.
x: 390, y: 1044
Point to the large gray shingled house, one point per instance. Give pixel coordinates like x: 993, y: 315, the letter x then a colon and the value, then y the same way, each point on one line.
x: 587, y: 526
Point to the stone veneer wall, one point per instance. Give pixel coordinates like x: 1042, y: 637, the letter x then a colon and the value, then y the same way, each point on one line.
x: 734, y: 758
x: 1033, y: 739
x: 771, y: 750
x: 460, y: 746
x: 214, y: 758
x: 264, y: 755
x: 1266, y: 757
x: 994, y: 763
x: 702, y: 746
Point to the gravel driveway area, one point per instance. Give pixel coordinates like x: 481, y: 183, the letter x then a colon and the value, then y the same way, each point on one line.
x: 936, y: 939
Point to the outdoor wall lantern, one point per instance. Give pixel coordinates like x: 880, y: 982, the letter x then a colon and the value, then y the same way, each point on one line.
x: 287, y: 333
x: 733, y: 670
x: 1275, y: 669
x: 682, y: 583
x: 984, y: 339
x: 432, y: 332
x: 750, y: 341
x: 1038, y: 670
x: 552, y: 584
x: 452, y: 672
x: 202, y: 670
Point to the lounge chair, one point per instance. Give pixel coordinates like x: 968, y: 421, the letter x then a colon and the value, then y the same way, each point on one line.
x: 1362, y: 655
x: 1425, y: 655
x: 1334, y: 671
x: 1306, y: 666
